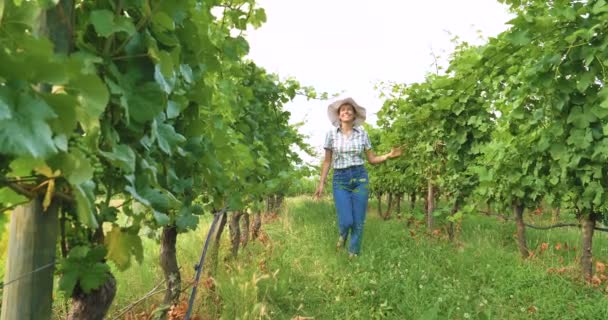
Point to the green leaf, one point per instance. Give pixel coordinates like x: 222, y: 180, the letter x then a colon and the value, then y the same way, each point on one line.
x: 600, y: 151
x: 124, y: 24
x: 23, y: 166
x: 593, y: 193
x: 121, y: 245
x: 558, y: 151
x: 599, y: 7
x: 483, y: 173
x: 235, y: 200
x: 75, y: 167
x: 258, y: 17
x: 108, y: 214
x: 161, y: 199
x: 26, y: 132
x: 50, y: 72
x: 78, y: 253
x: 173, y: 109
x: 186, y: 73
x: 161, y: 218
x: 94, y: 277
x: 37, y: 63
x: 68, y: 279
x: 164, y: 72
x: 580, y: 138
x: 167, y: 138
x: 263, y: 162
x: 580, y: 118
x: 166, y: 84
x: 121, y: 156
x: 162, y: 21
x: 105, y: 23
x: 599, y: 112
x: 554, y: 180
x: 235, y: 48
x: 519, y: 37
x: 603, y: 94
x: 102, y: 21
x: 586, y: 79
x: 83, y: 62
x: 64, y: 106
x: 136, y: 182
x: 157, y: 199
x: 85, y: 203
x: 145, y: 102
x: 83, y: 266
x: 8, y: 197
x: 186, y: 220
x: 61, y: 142
x: 96, y: 254
x: 93, y: 95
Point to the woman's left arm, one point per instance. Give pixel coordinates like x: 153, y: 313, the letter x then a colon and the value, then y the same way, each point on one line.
x: 374, y: 159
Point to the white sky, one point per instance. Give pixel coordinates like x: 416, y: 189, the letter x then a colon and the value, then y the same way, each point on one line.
x: 350, y: 45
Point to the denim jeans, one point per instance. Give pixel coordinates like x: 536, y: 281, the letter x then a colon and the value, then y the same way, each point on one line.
x: 351, y: 191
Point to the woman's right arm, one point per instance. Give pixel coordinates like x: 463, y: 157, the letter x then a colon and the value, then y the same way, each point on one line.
x: 324, y: 171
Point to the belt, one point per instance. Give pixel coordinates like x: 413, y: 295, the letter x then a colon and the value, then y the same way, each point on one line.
x: 350, y: 168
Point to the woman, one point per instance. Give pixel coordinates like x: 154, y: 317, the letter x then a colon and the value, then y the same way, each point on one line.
x: 344, y: 149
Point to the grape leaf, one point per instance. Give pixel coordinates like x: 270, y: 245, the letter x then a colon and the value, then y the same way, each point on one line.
x: 121, y: 245
x: 26, y: 132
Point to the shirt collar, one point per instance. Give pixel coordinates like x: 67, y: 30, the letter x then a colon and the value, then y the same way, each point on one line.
x: 356, y: 128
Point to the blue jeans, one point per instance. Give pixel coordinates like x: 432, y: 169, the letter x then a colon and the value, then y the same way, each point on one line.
x: 351, y: 192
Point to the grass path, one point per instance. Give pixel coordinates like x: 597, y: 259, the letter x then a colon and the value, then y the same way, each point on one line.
x: 401, y: 273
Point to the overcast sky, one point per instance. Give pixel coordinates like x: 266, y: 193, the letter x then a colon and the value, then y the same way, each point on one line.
x: 350, y: 45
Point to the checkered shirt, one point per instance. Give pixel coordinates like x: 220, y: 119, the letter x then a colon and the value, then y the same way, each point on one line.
x: 347, y: 151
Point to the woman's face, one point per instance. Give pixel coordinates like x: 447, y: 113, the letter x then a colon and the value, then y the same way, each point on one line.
x: 347, y: 113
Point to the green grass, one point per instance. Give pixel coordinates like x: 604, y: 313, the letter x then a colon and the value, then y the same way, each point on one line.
x: 403, y: 277
x: 402, y: 273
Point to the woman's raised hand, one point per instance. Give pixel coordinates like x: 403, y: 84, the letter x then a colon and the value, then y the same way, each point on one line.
x: 395, y: 152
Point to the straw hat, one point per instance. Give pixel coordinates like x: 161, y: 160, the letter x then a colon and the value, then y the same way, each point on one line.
x: 334, y: 118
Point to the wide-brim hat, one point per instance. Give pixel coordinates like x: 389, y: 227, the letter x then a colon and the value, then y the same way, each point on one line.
x: 334, y: 118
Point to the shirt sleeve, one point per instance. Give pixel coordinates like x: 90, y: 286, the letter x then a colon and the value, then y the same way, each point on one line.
x: 367, y: 144
x: 328, y: 141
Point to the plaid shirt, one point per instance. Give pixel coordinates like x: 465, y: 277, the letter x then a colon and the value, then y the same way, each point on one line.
x: 347, y: 151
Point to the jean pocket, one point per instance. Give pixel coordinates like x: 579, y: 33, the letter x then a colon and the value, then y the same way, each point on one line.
x: 340, y: 175
x: 361, y: 176
x: 340, y: 181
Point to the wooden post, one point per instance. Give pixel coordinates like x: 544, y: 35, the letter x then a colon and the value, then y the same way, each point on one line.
x: 33, y: 232
x: 431, y: 205
x: 451, y: 225
x: 413, y: 201
x: 30, y: 264
x: 390, y: 206
x: 518, y: 211
x: 588, y: 222
x: 235, y: 232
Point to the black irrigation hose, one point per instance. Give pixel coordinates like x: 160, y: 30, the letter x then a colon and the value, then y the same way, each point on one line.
x: 199, y: 266
x: 559, y: 225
